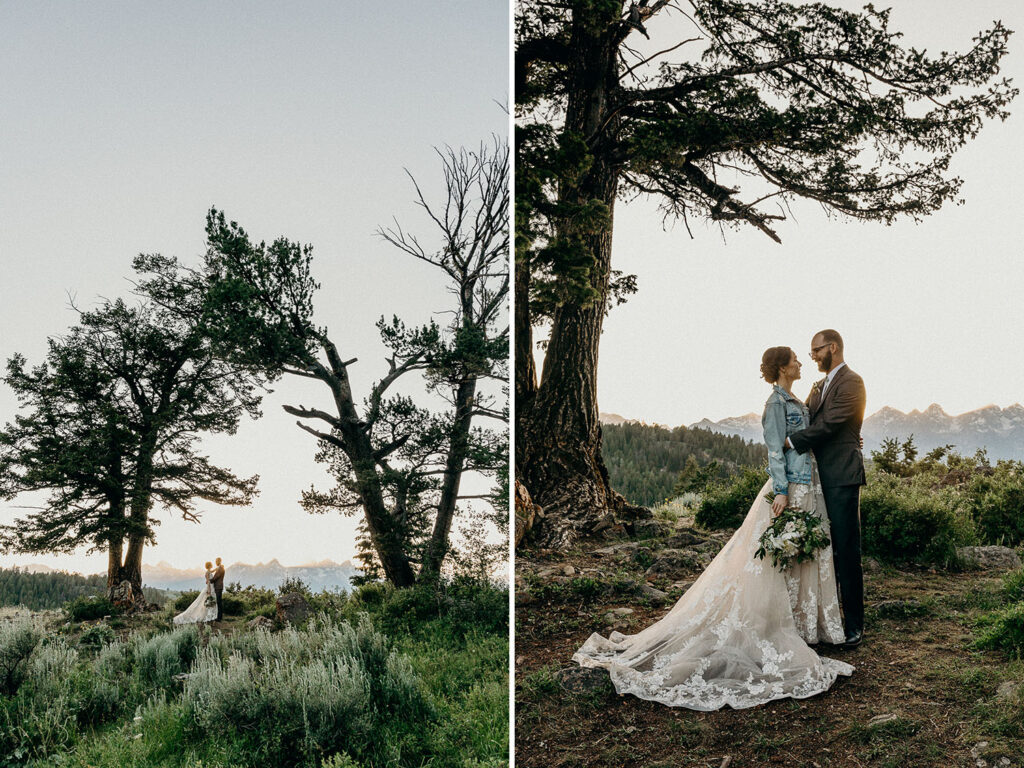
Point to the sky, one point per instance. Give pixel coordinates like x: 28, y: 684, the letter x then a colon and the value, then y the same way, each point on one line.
x: 124, y: 122
x: 929, y: 312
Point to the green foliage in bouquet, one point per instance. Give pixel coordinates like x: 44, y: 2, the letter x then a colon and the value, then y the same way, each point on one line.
x: 794, y: 536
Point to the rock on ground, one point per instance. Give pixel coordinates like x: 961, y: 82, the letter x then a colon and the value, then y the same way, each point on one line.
x: 292, y: 608
x: 990, y: 558
x: 584, y: 680
x: 673, y: 562
x: 260, y: 622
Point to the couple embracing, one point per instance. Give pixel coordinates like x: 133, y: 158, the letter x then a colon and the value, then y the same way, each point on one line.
x: 741, y: 635
x: 207, y: 605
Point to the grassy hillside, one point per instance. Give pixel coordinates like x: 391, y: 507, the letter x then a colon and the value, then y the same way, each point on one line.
x: 377, y: 678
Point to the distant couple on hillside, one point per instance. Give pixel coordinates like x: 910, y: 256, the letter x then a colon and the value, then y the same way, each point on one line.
x: 207, y: 605
x: 741, y: 634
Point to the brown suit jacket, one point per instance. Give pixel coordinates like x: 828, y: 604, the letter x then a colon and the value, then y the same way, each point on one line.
x: 218, y: 578
x: 834, y: 434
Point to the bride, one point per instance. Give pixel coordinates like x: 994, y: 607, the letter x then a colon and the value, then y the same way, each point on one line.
x: 204, y: 607
x: 740, y: 635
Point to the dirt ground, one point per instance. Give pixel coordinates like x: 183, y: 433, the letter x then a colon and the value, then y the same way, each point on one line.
x: 917, y: 664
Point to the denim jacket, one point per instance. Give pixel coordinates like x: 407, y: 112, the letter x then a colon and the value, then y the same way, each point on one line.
x: 784, y: 415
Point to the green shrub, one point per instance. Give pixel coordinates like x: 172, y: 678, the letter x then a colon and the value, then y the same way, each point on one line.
x: 483, y: 606
x: 269, y: 611
x: 997, y: 504
x: 1003, y: 631
x: 402, y: 609
x: 910, y: 521
x: 90, y: 608
x: 726, y: 503
x: 96, y: 637
x: 17, y: 641
x: 185, y: 599
x: 1013, y: 586
x: 114, y: 661
x: 99, y: 699
x: 372, y: 593
x: 294, y: 584
x: 231, y: 605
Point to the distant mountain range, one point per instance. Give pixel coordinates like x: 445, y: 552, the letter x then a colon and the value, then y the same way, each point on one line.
x: 1000, y: 431
x: 326, y: 574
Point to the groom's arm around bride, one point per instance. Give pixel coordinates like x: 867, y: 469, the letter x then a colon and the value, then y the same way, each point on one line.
x: 837, y: 413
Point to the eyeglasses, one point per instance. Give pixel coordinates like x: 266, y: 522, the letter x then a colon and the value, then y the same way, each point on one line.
x: 814, y: 350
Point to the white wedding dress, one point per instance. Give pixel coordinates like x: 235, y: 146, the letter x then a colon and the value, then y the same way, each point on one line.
x: 200, y: 610
x: 739, y: 635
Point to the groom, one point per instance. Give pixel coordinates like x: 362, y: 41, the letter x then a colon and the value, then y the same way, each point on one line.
x: 837, y: 410
x: 218, y: 587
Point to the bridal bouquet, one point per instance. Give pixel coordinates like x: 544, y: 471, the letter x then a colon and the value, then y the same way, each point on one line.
x: 793, y: 537
x: 210, y: 601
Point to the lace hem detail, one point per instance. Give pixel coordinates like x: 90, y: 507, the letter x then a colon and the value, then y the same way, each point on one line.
x: 739, y: 636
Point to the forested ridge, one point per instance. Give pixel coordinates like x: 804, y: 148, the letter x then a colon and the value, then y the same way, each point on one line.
x: 39, y: 591
x: 644, y: 461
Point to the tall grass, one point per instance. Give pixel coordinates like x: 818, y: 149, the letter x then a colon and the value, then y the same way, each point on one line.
x: 383, y: 677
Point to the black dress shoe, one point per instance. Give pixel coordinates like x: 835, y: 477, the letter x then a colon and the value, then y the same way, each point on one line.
x: 853, y: 639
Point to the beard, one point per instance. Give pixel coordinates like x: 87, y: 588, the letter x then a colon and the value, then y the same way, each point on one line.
x: 825, y: 362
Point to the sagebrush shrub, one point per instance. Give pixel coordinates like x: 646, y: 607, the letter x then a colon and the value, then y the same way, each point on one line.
x: 161, y: 657
x: 114, y: 660
x: 296, y: 696
x: 42, y: 717
x: 17, y: 641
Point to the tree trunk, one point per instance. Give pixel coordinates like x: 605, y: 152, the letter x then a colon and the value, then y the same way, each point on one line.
x: 131, y: 569
x: 386, y: 539
x: 115, y: 549
x: 558, y: 428
x: 452, y: 477
x: 526, y: 368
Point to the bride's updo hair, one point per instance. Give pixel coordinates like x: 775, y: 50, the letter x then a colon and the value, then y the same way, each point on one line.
x: 209, y: 566
x: 774, y: 360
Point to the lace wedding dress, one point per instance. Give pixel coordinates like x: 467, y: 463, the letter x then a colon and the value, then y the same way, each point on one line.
x: 201, y: 609
x: 739, y: 635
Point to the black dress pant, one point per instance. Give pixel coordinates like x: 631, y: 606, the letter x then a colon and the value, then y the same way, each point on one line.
x: 218, y: 591
x: 843, y: 504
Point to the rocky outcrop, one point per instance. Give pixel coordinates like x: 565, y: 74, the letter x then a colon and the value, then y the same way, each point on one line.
x: 292, y: 608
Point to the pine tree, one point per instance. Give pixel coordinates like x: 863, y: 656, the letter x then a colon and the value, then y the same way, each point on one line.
x: 765, y: 102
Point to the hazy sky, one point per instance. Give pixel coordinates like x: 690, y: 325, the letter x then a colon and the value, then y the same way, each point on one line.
x: 124, y: 122
x: 930, y: 312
